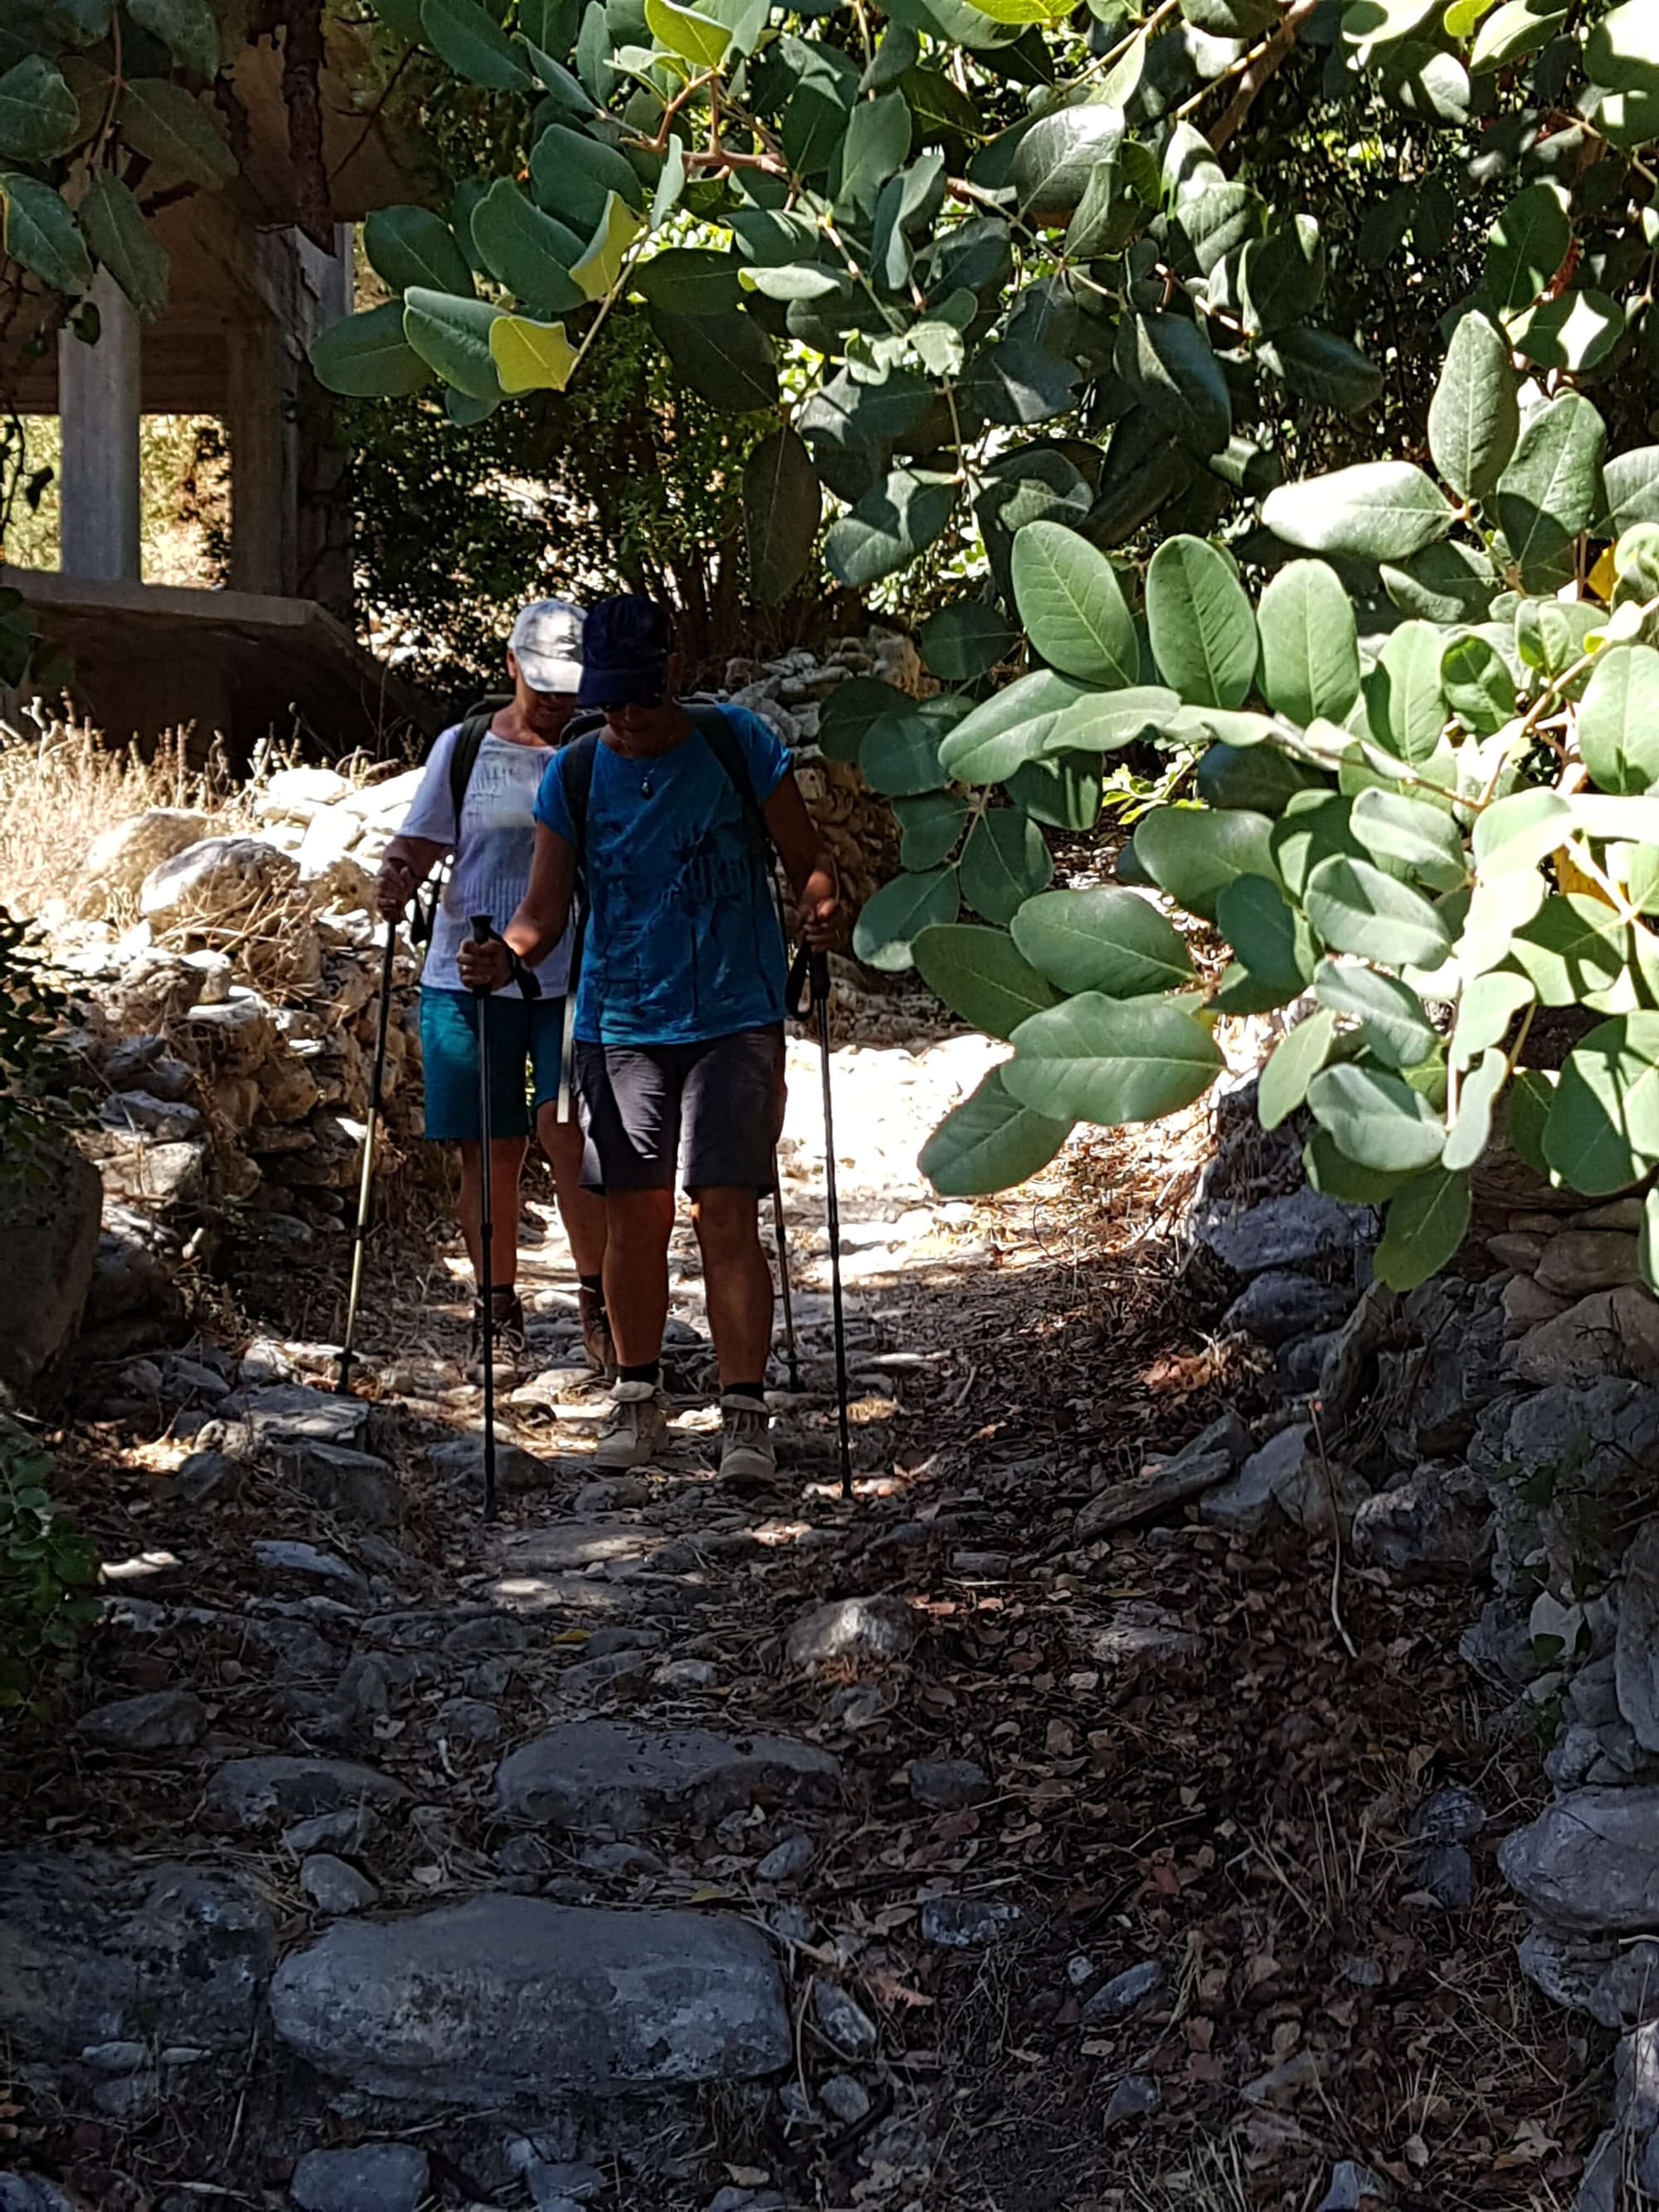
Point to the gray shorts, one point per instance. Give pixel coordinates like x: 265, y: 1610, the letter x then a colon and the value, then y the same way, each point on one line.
x: 720, y: 1103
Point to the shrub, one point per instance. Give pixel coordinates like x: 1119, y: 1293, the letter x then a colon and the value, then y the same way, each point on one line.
x: 46, y: 1572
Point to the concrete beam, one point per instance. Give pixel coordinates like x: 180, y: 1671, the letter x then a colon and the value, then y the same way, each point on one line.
x: 99, y: 399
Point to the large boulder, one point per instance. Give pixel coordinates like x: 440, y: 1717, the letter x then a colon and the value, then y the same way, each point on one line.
x: 506, y: 2002
x: 51, y: 1201
x: 1591, y: 1860
x: 116, y: 863
x: 216, y: 882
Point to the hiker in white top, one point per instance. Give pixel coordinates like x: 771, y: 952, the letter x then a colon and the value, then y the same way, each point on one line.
x: 492, y: 842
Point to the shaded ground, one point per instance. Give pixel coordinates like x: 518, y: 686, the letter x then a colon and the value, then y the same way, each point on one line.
x: 1235, y: 1805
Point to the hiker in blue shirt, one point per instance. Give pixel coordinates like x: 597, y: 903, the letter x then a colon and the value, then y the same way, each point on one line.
x: 680, y: 1002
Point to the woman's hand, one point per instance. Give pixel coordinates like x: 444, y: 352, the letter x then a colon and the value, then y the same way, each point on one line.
x: 820, y: 912
x: 486, y: 967
x: 394, y: 887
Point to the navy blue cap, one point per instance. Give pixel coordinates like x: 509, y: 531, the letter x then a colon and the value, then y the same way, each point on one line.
x: 626, y: 644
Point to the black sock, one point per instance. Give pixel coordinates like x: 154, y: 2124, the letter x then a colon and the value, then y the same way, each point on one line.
x: 649, y: 1370
x: 755, y: 1390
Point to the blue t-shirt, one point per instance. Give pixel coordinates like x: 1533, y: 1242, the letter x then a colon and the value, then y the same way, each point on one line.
x: 683, y: 941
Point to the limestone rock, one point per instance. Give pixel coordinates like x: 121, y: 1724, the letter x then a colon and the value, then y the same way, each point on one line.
x: 114, y: 866
x: 1138, y: 1638
x: 234, y: 1038
x: 165, y: 1176
x: 1354, y: 2188
x: 354, y: 1485
x: 1637, y: 1649
x: 94, y: 1949
x: 1127, y: 1995
x: 504, y: 2001
x: 28, y: 2192
x: 1308, y: 1489
x: 216, y: 883
x: 948, y: 1785
x: 1294, y: 1231
x: 1245, y: 1503
x: 159, y: 1720
x: 1432, y: 1527
x: 590, y: 1775
x: 1136, y: 2097
x: 846, y: 2023
x: 853, y: 1629
x: 373, y: 2178
x: 257, y: 1793
x: 1164, y: 1484
x: 334, y: 1886
x: 1525, y: 1305
x: 1274, y: 1307
x: 966, y: 1923
x: 1591, y: 1860
x: 50, y: 1206
x: 1610, y: 1332
x: 1578, y: 1260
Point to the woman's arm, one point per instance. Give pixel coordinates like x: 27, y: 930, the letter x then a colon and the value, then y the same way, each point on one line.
x: 810, y: 870
x: 543, y: 915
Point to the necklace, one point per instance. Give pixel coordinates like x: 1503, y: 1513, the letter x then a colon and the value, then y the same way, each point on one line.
x: 646, y: 785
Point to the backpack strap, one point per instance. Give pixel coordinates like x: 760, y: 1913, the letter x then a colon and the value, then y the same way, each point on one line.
x: 722, y: 741
x: 464, y: 758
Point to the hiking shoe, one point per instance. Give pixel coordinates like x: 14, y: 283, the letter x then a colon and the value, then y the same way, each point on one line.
x: 507, y: 1344
x: 598, y: 1347
x: 635, y: 1426
x: 747, y: 1454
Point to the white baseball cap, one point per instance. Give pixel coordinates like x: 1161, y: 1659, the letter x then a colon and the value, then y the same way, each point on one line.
x: 547, y: 644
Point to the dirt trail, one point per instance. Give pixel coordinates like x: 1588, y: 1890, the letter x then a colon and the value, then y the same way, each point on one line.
x: 1085, y: 1870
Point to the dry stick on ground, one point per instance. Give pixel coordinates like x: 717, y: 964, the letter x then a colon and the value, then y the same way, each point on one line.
x: 1336, y: 1534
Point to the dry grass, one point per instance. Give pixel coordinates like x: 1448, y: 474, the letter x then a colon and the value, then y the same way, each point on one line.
x: 58, y: 791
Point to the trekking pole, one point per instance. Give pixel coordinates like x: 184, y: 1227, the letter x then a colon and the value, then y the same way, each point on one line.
x: 482, y: 931
x: 360, y: 1239
x: 812, y: 969
x: 781, y: 1235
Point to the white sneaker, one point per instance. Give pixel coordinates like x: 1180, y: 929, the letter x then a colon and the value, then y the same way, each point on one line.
x: 747, y: 1452
x: 635, y: 1426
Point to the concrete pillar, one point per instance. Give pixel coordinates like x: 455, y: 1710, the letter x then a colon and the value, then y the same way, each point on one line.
x: 258, y: 417
x: 99, y: 403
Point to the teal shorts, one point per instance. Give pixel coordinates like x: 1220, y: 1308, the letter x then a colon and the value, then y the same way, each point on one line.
x: 525, y: 1039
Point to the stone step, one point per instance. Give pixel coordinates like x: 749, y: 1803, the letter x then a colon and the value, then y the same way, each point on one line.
x: 504, y: 2002
x: 595, y: 1775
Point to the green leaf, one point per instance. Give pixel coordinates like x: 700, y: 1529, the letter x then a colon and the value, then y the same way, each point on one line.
x: 876, y: 146
x: 989, y: 1143
x: 782, y: 505
x: 39, y: 116
x: 690, y: 280
x: 1488, y: 1005
x: 1498, y: 906
x: 1633, y: 487
x: 1573, y: 948
x: 185, y: 27
x: 1323, y: 367
x: 1072, y: 605
x: 981, y: 977
x: 599, y: 269
x: 900, y: 755
x: 468, y: 37
x: 1104, y: 940
x: 1603, y: 1130
x: 694, y: 37
x: 1257, y: 776
x: 1316, y: 826
x: 1445, y: 583
x: 1056, y: 156
x: 1622, y: 52
x: 1295, y: 1061
x: 528, y: 252
x: 40, y: 233
x: 1619, y: 719
x: 573, y: 176
x: 1528, y: 244
x: 1574, y: 332
x: 1423, y: 1230
x: 929, y: 827
x: 891, y: 922
x: 1476, y: 684
x: 169, y: 126
x: 528, y: 356
x: 453, y: 337
x: 965, y: 640
x: 1397, y: 1029
x: 1471, y: 1132
x: 1007, y: 729
x: 1552, y: 490
x: 1199, y: 619
x: 1521, y: 831
x: 1376, y: 1119
x: 1167, y: 363
x: 1531, y: 1093
x: 1112, y: 1060
x: 367, y: 356
x: 410, y: 245
x: 726, y: 359
x: 1474, y: 417
x: 1512, y: 32
x: 1270, y: 939
x: 1104, y: 721
x: 852, y: 708
x: 1407, y: 712
x: 1332, y: 1173
x: 1375, y: 511
x: 1309, y: 646
x: 1191, y: 853
x: 1418, y: 837
x: 1063, y: 789
x: 1004, y: 862
x: 1356, y: 908
x: 887, y: 528
x: 114, y: 225
x: 1281, y: 277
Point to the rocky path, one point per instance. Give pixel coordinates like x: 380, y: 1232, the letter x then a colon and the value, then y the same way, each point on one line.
x: 661, y: 1850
